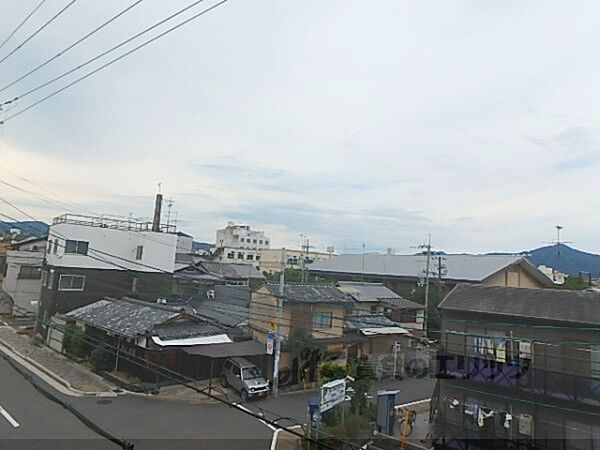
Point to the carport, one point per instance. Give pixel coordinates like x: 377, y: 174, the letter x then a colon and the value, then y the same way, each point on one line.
x: 225, y: 350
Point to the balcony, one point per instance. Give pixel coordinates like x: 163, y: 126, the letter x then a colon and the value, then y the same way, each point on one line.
x: 520, y: 375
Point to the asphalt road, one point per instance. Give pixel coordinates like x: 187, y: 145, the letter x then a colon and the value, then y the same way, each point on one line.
x: 151, y: 423
x: 29, y: 420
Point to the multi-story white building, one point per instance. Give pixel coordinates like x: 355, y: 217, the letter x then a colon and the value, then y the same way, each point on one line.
x: 88, y: 258
x: 241, y: 243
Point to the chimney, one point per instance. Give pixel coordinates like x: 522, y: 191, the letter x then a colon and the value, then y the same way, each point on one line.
x: 157, y: 208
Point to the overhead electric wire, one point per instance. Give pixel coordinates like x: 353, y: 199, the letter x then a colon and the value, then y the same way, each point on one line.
x: 74, y: 44
x: 22, y: 23
x: 149, y: 41
x: 36, y: 32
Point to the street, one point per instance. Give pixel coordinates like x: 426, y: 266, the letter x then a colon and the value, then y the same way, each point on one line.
x: 151, y: 422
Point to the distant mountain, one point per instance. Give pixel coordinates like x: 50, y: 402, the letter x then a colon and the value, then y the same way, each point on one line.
x: 205, y: 246
x: 33, y: 227
x: 570, y: 261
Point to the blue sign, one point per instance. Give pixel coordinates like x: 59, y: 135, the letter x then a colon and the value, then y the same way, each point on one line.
x: 314, y: 413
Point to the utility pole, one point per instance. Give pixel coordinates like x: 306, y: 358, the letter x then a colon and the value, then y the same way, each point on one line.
x: 362, y: 274
x: 427, y: 270
x: 279, y: 319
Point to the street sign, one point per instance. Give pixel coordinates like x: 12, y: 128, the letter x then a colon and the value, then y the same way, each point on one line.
x: 270, y: 342
x: 314, y: 413
x: 272, y: 325
x: 332, y: 393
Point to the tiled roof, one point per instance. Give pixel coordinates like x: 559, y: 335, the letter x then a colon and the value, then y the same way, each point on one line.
x: 541, y: 304
x: 311, y: 293
x: 357, y: 322
x: 130, y: 318
x: 469, y: 268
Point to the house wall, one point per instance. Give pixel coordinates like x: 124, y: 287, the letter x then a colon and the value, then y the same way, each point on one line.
x: 263, y: 311
x: 23, y: 291
x: 513, y: 276
x: 302, y: 318
x: 100, y: 284
x: 159, y: 248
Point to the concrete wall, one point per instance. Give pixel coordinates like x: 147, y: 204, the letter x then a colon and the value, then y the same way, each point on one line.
x: 159, y: 248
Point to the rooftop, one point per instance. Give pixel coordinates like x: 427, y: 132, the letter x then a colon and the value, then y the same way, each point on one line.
x: 117, y: 223
x: 130, y: 318
x: 542, y: 304
x: 467, y: 268
x: 311, y: 293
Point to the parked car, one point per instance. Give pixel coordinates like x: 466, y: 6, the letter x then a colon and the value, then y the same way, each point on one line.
x: 244, y: 377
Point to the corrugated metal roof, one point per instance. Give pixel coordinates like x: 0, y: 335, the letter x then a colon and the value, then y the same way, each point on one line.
x: 475, y: 268
x: 549, y: 304
x: 230, y: 270
x: 357, y: 322
x: 367, y: 292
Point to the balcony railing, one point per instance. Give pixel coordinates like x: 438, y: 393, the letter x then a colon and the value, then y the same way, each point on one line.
x: 117, y: 223
x: 523, y: 376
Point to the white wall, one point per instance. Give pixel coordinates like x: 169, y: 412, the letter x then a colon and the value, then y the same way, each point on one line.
x: 22, y: 290
x: 184, y: 244
x: 159, y: 248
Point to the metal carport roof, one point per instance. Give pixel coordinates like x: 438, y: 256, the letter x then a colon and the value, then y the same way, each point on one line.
x: 244, y: 348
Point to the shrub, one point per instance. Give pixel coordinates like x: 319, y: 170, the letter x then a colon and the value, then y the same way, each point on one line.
x: 74, y: 341
x: 100, y: 359
x: 331, y: 371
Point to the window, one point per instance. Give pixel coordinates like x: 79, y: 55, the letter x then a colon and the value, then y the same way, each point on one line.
x: 242, y: 239
x: 55, y: 246
x: 139, y: 251
x: 266, y: 242
x: 322, y: 319
x: 80, y: 247
x: 135, y: 284
x: 240, y: 255
x: 260, y: 242
x: 30, y: 273
x: 374, y: 309
x: 231, y: 255
x: 254, y: 241
x: 236, y: 371
x: 49, y: 247
x: 249, y: 257
x: 71, y: 283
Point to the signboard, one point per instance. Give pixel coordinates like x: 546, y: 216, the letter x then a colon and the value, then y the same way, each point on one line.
x: 332, y: 393
x: 272, y: 325
x: 314, y: 413
x: 270, y: 342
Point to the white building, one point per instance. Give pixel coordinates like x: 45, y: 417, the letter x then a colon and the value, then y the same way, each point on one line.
x: 241, y: 243
x: 89, y: 258
x: 270, y: 259
x: 24, y: 271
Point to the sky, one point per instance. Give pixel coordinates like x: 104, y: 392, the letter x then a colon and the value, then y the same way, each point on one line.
x: 346, y: 121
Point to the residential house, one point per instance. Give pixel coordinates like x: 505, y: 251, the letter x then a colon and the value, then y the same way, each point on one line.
x: 403, y: 273
x: 518, y: 368
x: 201, y: 276
x: 148, y: 333
x: 91, y: 257
x: 376, y: 298
x: 241, y: 243
x: 23, y: 276
x: 270, y: 259
x: 312, y: 316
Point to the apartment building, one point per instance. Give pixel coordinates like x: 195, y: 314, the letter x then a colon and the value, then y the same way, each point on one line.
x: 241, y: 243
x: 518, y: 368
x: 92, y: 257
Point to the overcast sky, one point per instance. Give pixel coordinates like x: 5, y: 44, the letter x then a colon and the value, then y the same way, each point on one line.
x: 347, y: 121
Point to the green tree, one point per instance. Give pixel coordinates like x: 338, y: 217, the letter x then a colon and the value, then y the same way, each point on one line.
x: 74, y: 341
x: 574, y: 284
x: 305, y: 348
x: 330, y: 371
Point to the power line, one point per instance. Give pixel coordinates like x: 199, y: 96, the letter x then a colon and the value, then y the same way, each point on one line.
x: 111, y: 50
x: 18, y: 47
x: 62, y: 52
x: 22, y: 23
